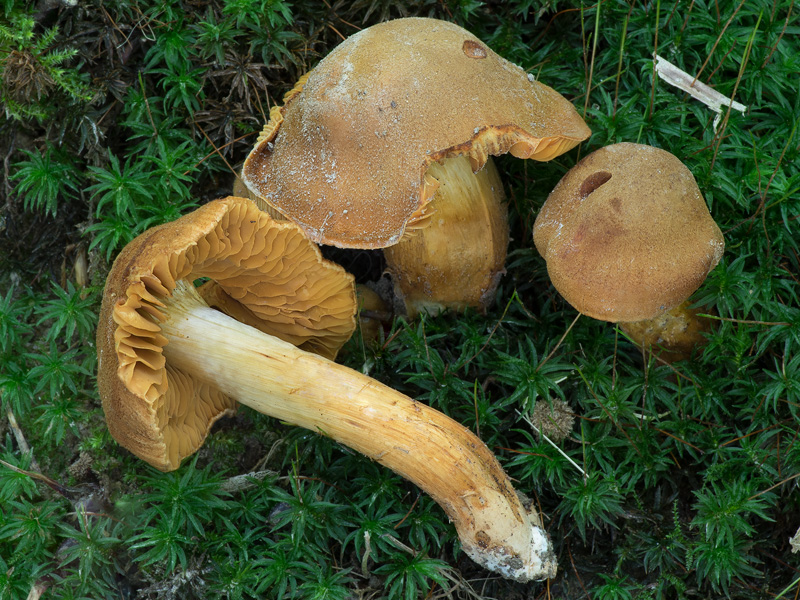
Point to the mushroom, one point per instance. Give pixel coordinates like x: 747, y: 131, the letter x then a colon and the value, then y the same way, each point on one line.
x: 626, y: 234
x: 384, y: 142
x: 170, y: 366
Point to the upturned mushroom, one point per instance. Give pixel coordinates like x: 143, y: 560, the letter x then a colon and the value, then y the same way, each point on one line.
x: 387, y: 143
x: 169, y: 366
x: 626, y: 234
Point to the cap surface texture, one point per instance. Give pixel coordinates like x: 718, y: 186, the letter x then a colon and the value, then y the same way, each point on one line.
x: 347, y: 154
x: 626, y: 234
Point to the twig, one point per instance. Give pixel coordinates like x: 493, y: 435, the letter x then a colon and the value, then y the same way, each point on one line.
x: 245, y: 481
x: 147, y: 106
x: 655, y: 53
x: 780, y: 37
x: 216, y: 150
x: 686, y: 18
x: 696, y: 89
x: 744, y: 321
x: 367, y: 552
x: 492, y: 332
x: 560, y: 341
x: 398, y: 544
x: 64, y: 491
x: 621, y: 55
x: 578, y: 575
x: 676, y: 438
x: 8, y: 188
x: 747, y: 435
x: 337, y: 32
x: 408, y: 514
x: 20, y: 437
x: 742, y: 67
x: 716, y: 43
x: 36, y: 591
x: 477, y: 416
x: 772, y: 487
x: 591, y: 63
x: 721, y: 62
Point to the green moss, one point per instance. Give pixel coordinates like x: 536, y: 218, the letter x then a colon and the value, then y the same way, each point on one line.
x: 677, y: 481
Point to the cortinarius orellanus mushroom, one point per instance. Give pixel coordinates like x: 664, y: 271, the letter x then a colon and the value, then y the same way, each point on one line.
x: 626, y: 234
x: 169, y: 366
x: 360, y: 155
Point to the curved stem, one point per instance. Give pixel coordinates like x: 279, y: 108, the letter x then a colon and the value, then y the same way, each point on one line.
x: 442, y: 457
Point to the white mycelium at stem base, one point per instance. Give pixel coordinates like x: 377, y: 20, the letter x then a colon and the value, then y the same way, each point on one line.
x: 423, y: 445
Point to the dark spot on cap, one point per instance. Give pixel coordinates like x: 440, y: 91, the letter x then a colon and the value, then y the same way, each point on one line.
x: 474, y: 49
x: 483, y: 539
x: 592, y: 182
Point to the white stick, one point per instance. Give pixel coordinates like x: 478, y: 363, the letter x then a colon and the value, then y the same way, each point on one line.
x: 697, y: 89
x: 553, y: 444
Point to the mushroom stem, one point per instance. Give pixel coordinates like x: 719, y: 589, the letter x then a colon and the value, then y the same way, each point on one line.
x: 457, y: 258
x: 673, y: 335
x: 496, y: 527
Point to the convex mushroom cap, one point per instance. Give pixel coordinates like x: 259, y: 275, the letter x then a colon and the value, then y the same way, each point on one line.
x: 626, y: 234
x: 346, y: 156
x: 266, y: 273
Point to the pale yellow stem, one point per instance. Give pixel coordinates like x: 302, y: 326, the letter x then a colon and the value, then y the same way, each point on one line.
x: 442, y: 457
x: 457, y: 258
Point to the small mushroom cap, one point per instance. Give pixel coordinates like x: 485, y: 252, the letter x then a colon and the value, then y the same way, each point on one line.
x: 627, y: 234
x: 267, y: 271
x: 346, y: 156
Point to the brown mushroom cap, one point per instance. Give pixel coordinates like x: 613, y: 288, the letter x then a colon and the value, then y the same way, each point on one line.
x: 268, y: 272
x: 626, y: 234
x: 346, y: 156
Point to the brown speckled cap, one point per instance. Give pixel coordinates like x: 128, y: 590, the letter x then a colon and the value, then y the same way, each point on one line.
x: 626, y: 234
x: 347, y: 154
x: 266, y: 274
